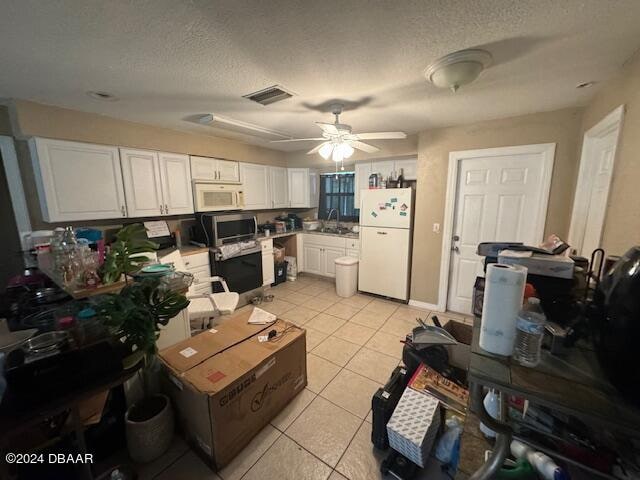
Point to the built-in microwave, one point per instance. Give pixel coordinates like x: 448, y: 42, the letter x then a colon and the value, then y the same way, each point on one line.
x: 212, y: 197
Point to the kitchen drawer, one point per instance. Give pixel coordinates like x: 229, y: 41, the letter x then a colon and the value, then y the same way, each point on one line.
x: 267, y: 245
x: 353, y: 253
x: 196, y: 260
x: 353, y: 243
x: 200, y: 272
x: 324, y: 240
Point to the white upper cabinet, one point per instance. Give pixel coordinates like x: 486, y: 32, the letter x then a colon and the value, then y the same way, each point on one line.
x: 278, y: 183
x: 156, y: 183
x: 175, y: 174
x: 142, y: 186
x: 363, y: 170
x: 228, y: 171
x: 215, y: 170
x: 255, y: 186
x: 408, y: 167
x: 77, y: 181
x: 384, y: 167
x: 303, y: 187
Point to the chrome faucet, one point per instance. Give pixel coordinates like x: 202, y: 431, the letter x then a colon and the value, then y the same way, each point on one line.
x: 337, y: 217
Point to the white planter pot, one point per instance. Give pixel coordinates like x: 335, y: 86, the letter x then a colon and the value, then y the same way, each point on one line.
x: 148, y: 437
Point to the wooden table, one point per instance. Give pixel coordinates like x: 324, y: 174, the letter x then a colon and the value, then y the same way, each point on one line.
x: 572, y: 384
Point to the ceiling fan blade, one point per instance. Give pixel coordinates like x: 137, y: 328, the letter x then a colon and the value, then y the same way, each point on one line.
x: 297, y: 140
x: 379, y: 136
x: 329, y: 128
x: 365, y: 147
x: 316, y: 148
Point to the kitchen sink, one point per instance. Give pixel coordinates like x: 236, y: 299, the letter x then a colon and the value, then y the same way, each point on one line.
x: 335, y: 231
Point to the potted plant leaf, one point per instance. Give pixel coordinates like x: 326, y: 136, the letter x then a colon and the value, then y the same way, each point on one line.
x: 135, y: 315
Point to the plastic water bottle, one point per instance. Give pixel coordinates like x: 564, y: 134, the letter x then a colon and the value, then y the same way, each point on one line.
x: 529, y: 333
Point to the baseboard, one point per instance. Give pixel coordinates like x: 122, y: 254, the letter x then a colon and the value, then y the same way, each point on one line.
x: 424, y: 305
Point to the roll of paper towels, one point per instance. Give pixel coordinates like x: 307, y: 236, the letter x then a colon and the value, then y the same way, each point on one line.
x: 503, y: 294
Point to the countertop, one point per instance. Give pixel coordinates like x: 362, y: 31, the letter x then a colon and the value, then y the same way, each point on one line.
x: 262, y: 237
x: 185, y: 250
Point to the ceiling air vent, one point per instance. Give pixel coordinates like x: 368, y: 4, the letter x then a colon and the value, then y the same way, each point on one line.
x: 269, y: 95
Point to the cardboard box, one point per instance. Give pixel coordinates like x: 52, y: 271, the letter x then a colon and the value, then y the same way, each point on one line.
x: 459, y: 355
x: 227, y: 383
x: 557, y: 266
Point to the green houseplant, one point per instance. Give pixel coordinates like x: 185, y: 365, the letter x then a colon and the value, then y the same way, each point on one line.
x: 121, y: 259
x: 135, y: 316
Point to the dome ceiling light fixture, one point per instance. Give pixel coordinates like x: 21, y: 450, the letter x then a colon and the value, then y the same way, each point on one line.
x: 458, y: 68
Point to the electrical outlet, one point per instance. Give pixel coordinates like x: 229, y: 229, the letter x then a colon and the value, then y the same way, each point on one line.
x: 436, y: 228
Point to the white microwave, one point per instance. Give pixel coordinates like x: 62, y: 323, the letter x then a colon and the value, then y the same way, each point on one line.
x: 212, y: 197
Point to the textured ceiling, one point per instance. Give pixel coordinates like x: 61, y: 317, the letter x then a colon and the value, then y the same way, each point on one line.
x: 168, y: 60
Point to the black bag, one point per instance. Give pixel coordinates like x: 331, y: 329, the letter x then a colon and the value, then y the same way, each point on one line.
x: 383, y: 404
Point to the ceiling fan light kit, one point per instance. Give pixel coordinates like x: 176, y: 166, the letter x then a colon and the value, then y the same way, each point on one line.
x: 458, y: 68
x: 338, y: 141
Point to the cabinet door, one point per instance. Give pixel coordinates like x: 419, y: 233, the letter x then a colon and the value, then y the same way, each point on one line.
x: 268, y: 269
x: 228, y: 171
x: 299, y: 184
x: 363, y: 170
x: 203, y: 168
x: 279, y: 190
x: 409, y: 168
x: 77, y: 181
x: 330, y: 255
x: 384, y: 168
x: 175, y: 174
x: 353, y: 253
x: 142, y: 185
x: 255, y: 186
x: 313, y: 262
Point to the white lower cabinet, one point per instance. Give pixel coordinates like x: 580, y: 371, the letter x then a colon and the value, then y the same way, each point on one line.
x: 321, y: 252
x: 197, y: 264
x: 268, y: 265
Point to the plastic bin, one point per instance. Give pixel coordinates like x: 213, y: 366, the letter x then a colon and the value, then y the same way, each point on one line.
x: 346, y: 276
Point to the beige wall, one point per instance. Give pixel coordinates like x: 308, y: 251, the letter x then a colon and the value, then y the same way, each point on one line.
x: 388, y: 149
x: 561, y: 127
x: 622, y: 221
x: 37, y: 120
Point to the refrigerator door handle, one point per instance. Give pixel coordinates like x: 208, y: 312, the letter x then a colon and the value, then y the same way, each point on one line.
x: 381, y: 233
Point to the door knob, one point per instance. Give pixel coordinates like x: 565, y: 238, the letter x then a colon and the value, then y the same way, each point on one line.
x: 455, y: 249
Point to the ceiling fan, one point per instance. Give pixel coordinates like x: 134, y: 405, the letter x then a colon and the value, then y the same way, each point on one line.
x: 339, y: 143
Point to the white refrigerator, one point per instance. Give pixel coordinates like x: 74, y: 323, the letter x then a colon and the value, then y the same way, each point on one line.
x: 386, y: 221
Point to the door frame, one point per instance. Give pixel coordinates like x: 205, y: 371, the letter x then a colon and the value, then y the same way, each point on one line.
x: 547, y: 150
x: 612, y: 121
x: 16, y: 189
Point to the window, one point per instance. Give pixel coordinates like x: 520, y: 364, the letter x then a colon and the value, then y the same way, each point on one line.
x: 336, y: 191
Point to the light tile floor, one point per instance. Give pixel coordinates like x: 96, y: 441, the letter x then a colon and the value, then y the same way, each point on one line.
x: 325, y: 432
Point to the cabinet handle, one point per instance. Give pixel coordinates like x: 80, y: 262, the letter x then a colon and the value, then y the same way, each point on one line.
x: 166, y: 209
x: 123, y: 210
x: 161, y: 210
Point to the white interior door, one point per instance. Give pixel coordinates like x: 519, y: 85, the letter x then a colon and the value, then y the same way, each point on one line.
x: 175, y: 173
x: 594, y: 180
x: 501, y: 195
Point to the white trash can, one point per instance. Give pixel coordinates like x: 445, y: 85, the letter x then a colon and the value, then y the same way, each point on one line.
x: 346, y: 276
